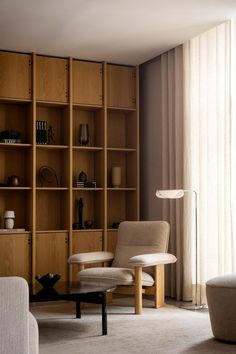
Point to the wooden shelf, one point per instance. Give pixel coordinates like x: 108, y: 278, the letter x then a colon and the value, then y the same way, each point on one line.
x: 15, y: 145
x: 15, y: 188
x: 121, y: 149
x: 87, y: 107
x: 87, y: 148
x: 121, y: 109
x: 64, y: 94
x: 124, y: 189
x: 15, y: 232
x: 51, y: 104
x: 14, y: 100
x: 51, y: 231
x: 88, y: 189
x: 87, y: 230
x: 52, y: 188
x: 52, y: 147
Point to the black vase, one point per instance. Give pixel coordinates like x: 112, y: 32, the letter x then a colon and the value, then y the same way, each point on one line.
x: 83, y: 134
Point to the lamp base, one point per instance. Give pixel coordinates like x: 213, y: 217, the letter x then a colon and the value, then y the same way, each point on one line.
x: 193, y: 307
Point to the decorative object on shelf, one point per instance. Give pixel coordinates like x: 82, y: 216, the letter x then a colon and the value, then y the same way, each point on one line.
x: 10, y: 137
x: 82, y: 177
x: 48, y: 280
x: 41, y: 132
x: 79, y: 209
x: 13, y: 181
x: 116, y: 177
x: 83, y: 134
x: 87, y: 184
x: 51, y: 135
x: 48, y: 177
x: 115, y: 225
x: 9, y: 217
x: 88, y: 224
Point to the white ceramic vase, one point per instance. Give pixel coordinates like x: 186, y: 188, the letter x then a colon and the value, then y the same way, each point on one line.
x: 116, y: 177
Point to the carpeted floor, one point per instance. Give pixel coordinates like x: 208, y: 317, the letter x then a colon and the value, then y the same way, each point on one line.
x: 169, y: 330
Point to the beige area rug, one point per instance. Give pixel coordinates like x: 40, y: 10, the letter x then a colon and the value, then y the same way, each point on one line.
x: 169, y: 330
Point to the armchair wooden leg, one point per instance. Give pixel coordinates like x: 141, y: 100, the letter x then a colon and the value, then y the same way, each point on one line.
x: 159, y: 285
x: 138, y: 290
x: 81, y: 267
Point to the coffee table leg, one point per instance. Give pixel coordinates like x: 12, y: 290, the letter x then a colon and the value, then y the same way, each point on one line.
x: 78, y: 312
x: 104, y: 314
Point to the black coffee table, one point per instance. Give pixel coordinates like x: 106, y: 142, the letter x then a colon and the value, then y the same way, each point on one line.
x: 74, y: 291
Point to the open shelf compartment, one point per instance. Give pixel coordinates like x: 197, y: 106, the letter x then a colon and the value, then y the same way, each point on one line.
x: 58, y: 163
x: 52, y: 210
x: 121, y: 129
x: 57, y: 118
x: 93, y: 208
x: 121, y: 206
x: 17, y: 116
x: 127, y: 161
x: 20, y: 202
x: 94, y: 117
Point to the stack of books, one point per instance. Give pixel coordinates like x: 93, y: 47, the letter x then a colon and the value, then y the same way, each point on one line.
x: 41, y: 132
x: 87, y: 184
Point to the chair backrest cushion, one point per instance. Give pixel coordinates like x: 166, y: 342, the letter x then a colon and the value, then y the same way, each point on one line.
x: 140, y: 237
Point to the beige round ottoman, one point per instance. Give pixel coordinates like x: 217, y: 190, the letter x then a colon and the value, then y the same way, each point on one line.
x: 221, y: 298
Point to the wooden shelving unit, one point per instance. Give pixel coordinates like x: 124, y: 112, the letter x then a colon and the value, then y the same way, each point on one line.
x: 65, y: 93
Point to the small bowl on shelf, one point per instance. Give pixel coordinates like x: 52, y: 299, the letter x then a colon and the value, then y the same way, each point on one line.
x: 48, y: 280
x: 88, y: 224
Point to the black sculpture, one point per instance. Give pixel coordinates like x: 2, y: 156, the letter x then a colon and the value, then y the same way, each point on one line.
x: 80, y: 212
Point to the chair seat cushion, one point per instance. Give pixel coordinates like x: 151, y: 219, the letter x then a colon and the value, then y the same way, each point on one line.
x: 113, y: 275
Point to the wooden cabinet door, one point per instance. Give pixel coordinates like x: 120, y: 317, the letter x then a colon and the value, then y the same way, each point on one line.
x: 51, y: 79
x: 15, y: 255
x: 52, y: 253
x: 15, y: 75
x: 121, y: 86
x: 89, y: 241
x: 87, y: 83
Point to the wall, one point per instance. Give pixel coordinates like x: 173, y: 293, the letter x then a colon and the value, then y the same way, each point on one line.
x: 150, y: 139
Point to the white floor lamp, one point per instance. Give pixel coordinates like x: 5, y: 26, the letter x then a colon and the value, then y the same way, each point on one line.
x: 176, y: 194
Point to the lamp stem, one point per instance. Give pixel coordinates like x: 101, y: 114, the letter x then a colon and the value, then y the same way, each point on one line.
x: 195, y: 305
x: 196, y: 246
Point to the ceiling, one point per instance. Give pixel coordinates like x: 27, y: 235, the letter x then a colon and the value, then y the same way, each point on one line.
x: 118, y: 31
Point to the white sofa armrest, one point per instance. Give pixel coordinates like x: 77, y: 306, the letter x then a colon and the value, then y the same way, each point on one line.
x: 14, y: 314
x: 152, y: 259
x: 91, y: 257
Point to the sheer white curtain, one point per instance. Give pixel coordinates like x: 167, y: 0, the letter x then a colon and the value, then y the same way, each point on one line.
x: 207, y: 146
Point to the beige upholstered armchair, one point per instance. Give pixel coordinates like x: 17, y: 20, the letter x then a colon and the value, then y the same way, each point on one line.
x: 140, y: 244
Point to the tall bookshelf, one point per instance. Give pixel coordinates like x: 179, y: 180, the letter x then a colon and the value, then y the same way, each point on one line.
x: 65, y: 93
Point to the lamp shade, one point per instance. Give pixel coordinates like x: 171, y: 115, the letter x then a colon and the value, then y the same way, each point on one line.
x: 10, y: 214
x: 170, y: 193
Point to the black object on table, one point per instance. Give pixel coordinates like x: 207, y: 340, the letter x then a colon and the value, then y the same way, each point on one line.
x: 74, y: 291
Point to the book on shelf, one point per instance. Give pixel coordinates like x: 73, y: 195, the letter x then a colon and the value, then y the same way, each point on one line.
x: 12, y: 230
x: 87, y: 184
x: 41, y: 132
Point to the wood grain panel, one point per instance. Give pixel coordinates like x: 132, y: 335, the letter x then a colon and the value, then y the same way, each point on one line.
x: 15, y: 75
x: 87, y: 83
x: 121, y: 86
x: 51, y: 79
x: 15, y: 255
x: 52, y: 253
x: 86, y: 241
